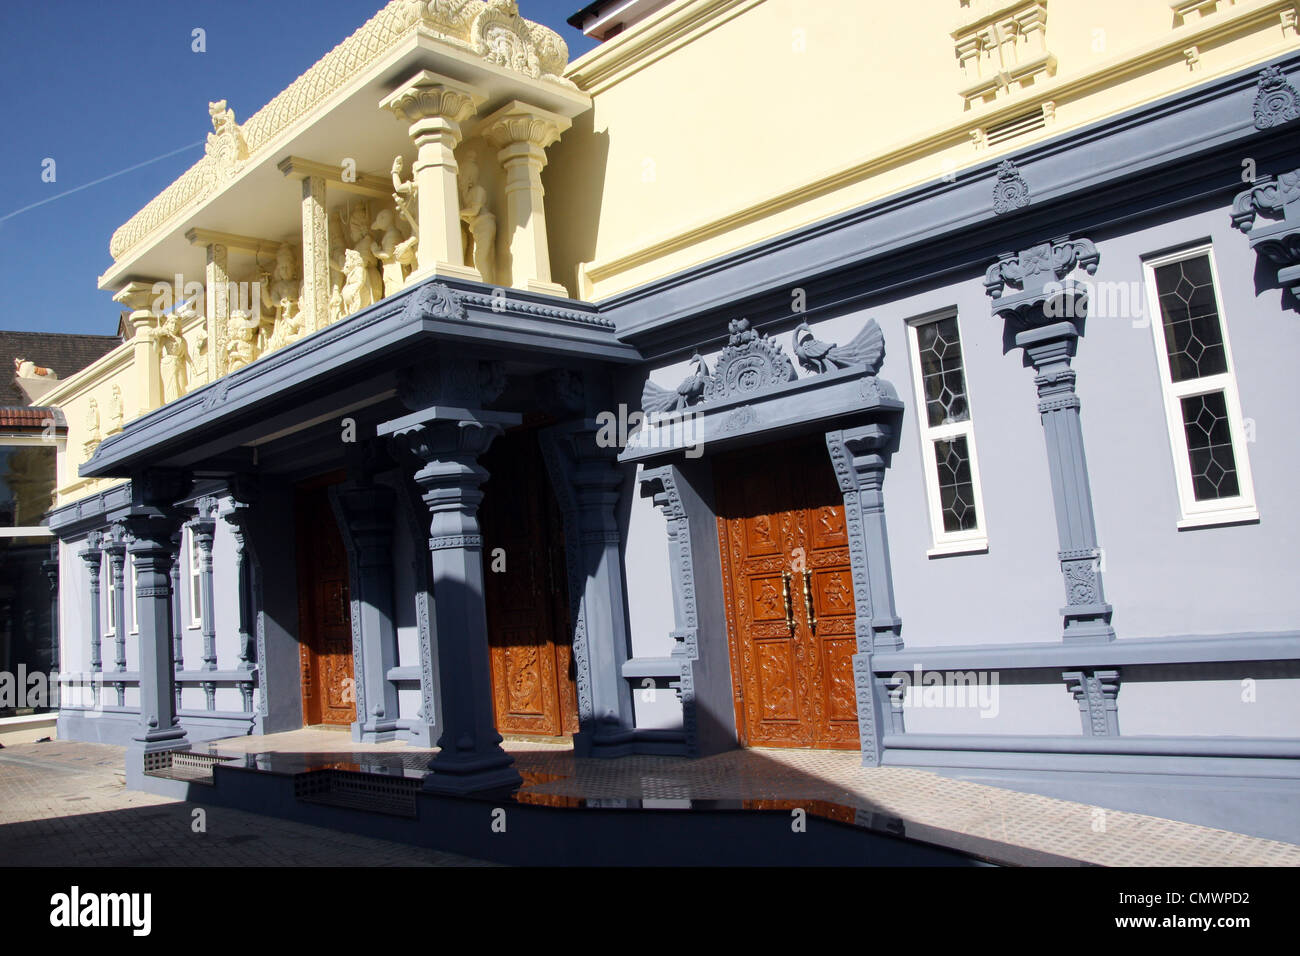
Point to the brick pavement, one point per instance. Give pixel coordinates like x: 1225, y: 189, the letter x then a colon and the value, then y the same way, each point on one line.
x: 66, y: 804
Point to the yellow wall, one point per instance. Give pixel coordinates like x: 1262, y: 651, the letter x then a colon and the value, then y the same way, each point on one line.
x: 719, y: 123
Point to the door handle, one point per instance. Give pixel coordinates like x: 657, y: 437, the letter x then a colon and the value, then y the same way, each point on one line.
x: 785, y: 587
x: 808, y: 601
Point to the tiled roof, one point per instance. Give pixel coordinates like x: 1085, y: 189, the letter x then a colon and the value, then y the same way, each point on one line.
x: 30, y: 416
x: 64, y: 354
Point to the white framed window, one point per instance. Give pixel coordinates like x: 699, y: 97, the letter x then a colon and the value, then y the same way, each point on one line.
x: 130, y: 600
x: 196, y: 582
x: 1202, y: 408
x: 109, y: 589
x: 952, y: 477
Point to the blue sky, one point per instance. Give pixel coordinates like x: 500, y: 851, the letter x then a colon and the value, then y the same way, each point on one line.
x: 101, y: 87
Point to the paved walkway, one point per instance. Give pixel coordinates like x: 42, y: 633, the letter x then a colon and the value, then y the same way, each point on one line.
x: 65, y: 804
x: 785, y: 778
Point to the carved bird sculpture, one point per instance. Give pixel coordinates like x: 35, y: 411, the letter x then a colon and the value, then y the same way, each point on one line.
x: 867, y: 348
x: 656, y: 399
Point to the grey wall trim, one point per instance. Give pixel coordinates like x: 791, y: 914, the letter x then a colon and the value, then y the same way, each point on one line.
x: 1280, y: 646
x: 458, y: 313
x: 952, y: 225
x: 88, y: 513
x: 1261, y: 747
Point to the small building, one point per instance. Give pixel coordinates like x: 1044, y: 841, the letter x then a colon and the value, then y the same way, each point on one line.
x: 907, y: 379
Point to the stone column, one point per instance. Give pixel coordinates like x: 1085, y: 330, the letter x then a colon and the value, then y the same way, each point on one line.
x: 203, y: 529
x: 1034, y: 316
x: 587, y: 481
x: 216, y: 279
x: 522, y: 133
x: 434, y: 107
x: 159, y: 730
x: 116, y: 550
x: 366, y: 520
x: 93, y: 556
x: 1095, y: 692
x: 470, y: 757
x: 178, y: 628
x: 314, y: 304
x: 859, y: 458
x: 138, y: 297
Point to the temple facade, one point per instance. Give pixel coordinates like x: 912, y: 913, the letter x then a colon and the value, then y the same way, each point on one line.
x: 909, y: 381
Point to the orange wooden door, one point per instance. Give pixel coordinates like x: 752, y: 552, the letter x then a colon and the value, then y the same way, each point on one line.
x: 324, y: 612
x: 526, y: 589
x: 788, y: 590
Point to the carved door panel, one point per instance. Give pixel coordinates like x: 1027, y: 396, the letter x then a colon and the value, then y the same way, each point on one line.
x: 324, y: 612
x: 526, y: 590
x: 789, y: 597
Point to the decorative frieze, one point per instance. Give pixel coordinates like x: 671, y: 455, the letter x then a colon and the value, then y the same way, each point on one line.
x: 1010, y: 191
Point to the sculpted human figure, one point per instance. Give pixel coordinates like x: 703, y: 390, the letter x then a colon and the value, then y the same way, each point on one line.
x: 394, y: 252
x: 356, y: 289
x: 357, y: 229
x: 92, y: 421
x: 336, y: 302
x: 174, y: 362
x: 283, y: 290
x: 482, y: 224
x: 240, y: 350
x: 116, y: 408
x: 404, y: 196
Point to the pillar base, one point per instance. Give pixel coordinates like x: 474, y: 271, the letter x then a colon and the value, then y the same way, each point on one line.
x: 546, y: 288
x: 422, y: 735
x: 445, y: 270
x: 476, y: 774
x: 1090, y: 624
x: 616, y: 742
x: 141, y: 754
x: 374, y: 731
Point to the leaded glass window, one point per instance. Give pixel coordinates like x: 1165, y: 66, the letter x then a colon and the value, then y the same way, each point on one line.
x: 1206, y: 428
x: 947, y: 435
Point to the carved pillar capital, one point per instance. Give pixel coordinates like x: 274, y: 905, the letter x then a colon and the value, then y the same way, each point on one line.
x: 1268, y: 213
x: 1041, y: 293
x: 433, y: 107
x: 138, y: 297
x: 521, y: 133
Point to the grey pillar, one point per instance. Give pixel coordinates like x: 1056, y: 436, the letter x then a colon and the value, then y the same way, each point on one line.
x: 1034, y: 317
x: 51, y: 568
x: 116, y: 549
x: 93, y: 556
x: 203, y: 529
x: 470, y: 757
x: 237, y: 515
x: 587, y: 482
x: 859, y: 456
x: 1095, y: 692
x: 178, y: 628
x: 365, y: 514
x: 159, y: 730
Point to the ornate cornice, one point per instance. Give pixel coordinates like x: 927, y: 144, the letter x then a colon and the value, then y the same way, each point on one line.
x: 1277, y: 201
x: 491, y: 30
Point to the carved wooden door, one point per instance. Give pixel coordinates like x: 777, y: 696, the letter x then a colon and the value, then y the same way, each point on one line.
x: 324, y: 612
x: 526, y: 589
x: 788, y: 589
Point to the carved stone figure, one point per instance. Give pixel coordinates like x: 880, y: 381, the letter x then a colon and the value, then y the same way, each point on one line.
x: 359, y: 240
x: 404, y: 196
x: 226, y: 145
x: 116, y: 409
x: 92, y: 422
x: 336, y: 302
x: 174, y: 362
x: 689, y: 392
x: 482, y: 224
x: 282, y: 293
x: 867, y: 348
x: 356, y: 290
x: 240, y: 335
x: 395, y: 253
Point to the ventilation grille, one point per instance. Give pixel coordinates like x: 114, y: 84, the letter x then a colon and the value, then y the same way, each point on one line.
x: 1017, y: 126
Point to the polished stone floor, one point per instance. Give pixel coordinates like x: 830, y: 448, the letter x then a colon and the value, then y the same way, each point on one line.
x: 1003, y: 825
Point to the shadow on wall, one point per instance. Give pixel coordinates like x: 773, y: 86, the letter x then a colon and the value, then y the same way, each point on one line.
x: 574, y: 180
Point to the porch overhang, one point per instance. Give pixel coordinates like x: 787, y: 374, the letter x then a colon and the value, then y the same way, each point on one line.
x: 353, y: 364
